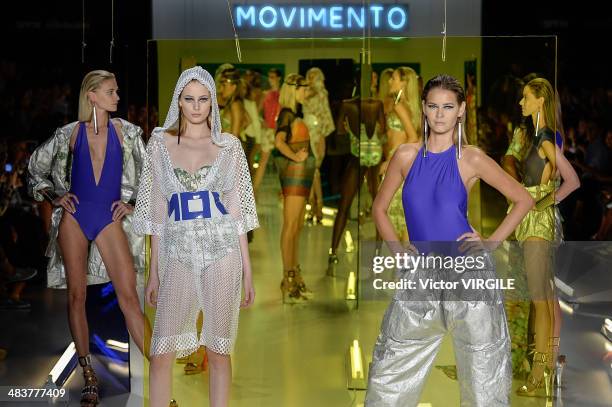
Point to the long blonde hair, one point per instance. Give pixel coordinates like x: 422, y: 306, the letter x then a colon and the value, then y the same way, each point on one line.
x: 411, y: 94
x: 91, y: 82
x: 318, y: 80
x: 286, y: 97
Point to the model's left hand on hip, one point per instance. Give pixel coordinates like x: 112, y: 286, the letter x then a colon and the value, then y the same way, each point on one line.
x: 120, y: 209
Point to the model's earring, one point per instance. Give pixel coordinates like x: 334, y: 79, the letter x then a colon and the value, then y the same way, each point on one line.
x: 425, y: 131
x: 537, y: 127
x: 95, y: 119
x: 459, y: 137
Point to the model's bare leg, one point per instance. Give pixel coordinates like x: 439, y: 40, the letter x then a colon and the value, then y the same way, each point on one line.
x: 160, y: 379
x: 114, y: 249
x: 292, y: 209
x: 316, y: 197
x: 352, y: 182
x: 539, y: 281
x: 298, y: 232
x: 373, y: 178
x: 220, y: 378
x: 74, y: 247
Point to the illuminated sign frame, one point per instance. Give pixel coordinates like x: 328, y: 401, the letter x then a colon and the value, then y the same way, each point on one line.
x: 392, y: 17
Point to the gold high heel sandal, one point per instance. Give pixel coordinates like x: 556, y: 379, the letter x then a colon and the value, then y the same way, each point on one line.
x: 301, y: 284
x: 290, y: 289
x: 173, y: 403
x: 89, y: 393
x: 530, y: 388
x: 194, y: 365
x: 557, y: 362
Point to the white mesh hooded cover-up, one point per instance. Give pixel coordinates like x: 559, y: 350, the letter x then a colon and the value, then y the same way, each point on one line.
x: 198, y: 223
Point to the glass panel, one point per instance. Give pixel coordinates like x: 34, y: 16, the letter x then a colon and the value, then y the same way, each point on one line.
x: 492, y: 71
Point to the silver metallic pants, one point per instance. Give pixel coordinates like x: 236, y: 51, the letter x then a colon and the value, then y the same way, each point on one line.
x: 411, y: 334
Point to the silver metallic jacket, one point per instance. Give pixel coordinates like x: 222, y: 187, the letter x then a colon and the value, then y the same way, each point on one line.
x: 50, y: 167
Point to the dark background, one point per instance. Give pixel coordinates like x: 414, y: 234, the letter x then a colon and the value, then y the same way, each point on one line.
x: 583, y: 29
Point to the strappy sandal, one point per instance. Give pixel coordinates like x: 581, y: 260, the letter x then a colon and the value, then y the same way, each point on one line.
x: 305, y: 291
x: 89, y: 393
x: 533, y: 384
x: 193, y: 366
x: 290, y: 289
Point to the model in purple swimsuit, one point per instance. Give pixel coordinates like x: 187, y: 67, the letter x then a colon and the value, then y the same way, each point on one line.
x: 93, y: 212
x: 437, y: 178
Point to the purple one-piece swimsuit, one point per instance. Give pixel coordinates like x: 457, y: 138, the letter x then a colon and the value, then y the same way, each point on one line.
x: 435, y: 201
x: 93, y: 212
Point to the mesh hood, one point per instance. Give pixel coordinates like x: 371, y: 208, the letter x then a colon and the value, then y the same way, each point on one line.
x: 201, y: 75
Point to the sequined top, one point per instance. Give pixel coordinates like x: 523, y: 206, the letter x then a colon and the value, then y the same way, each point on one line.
x: 394, y: 122
x: 191, y: 181
x: 516, y: 148
x: 368, y: 149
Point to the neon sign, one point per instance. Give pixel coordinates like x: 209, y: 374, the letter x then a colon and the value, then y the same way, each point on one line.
x: 391, y: 17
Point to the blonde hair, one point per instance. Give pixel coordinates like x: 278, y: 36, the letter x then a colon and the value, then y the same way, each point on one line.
x: 383, y: 83
x: 411, y: 94
x: 286, y: 97
x: 91, y: 82
x: 318, y: 80
x: 541, y: 88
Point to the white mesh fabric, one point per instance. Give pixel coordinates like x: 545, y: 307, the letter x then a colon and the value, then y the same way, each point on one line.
x: 182, y: 294
x: 151, y: 204
x: 238, y: 193
x: 200, y: 266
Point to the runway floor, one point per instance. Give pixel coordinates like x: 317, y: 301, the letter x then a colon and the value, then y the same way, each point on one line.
x: 294, y: 355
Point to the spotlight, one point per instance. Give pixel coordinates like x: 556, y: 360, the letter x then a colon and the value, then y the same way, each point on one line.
x: 348, y: 239
x: 64, y: 366
x: 356, y: 376
x: 116, y: 345
x: 329, y: 211
x: 351, y: 286
x: 566, y: 307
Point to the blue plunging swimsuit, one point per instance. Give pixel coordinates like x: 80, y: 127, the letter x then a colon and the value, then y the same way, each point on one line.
x: 93, y: 212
